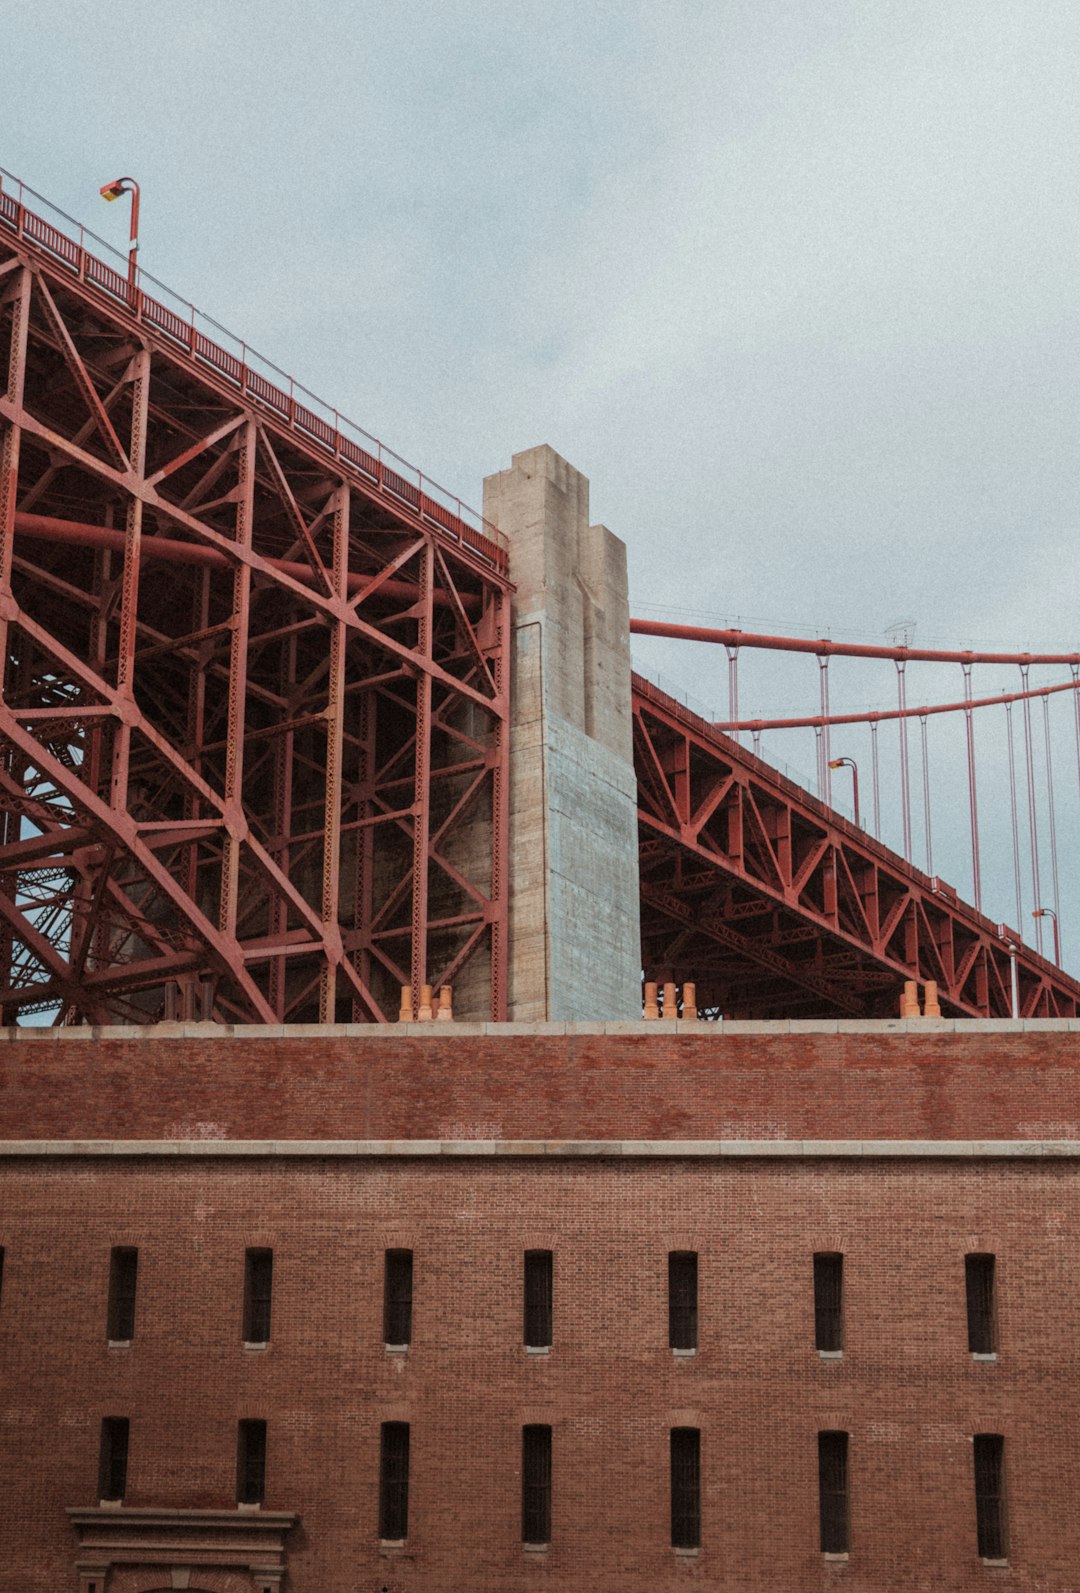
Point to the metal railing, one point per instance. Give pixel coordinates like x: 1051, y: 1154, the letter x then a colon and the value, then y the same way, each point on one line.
x: 255, y: 378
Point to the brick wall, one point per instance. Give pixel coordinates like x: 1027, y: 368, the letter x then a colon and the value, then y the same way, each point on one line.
x: 906, y: 1388
x: 966, y: 1081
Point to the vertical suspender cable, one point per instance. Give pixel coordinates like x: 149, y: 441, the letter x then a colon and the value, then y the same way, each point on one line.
x: 733, y: 686
x: 1075, y: 671
x: 818, y: 733
x: 757, y: 743
x: 926, y: 794
x: 1015, y: 823
x: 1033, y: 816
x: 905, y: 781
x: 877, y: 779
x: 973, y: 802
x: 826, y: 772
x: 1050, y: 804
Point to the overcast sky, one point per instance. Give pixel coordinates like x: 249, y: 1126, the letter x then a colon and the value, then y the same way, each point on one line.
x: 794, y: 282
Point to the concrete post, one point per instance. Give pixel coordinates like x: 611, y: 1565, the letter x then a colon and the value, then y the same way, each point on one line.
x: 575, y: 933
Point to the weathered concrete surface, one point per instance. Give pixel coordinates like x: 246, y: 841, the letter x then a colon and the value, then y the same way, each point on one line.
x: 574, y: 899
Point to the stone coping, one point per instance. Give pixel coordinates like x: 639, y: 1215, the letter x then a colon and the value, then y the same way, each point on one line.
x: 444, y: 1031
x: 554, y: 1149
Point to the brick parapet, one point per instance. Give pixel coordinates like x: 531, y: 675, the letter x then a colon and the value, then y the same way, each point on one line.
x: 610, y: 1082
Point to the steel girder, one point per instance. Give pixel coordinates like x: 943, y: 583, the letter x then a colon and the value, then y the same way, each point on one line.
x: 778, y: 907
x: 253, y: 686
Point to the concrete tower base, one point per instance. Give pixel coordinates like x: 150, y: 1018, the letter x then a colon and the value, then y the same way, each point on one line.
x: 575, y: 931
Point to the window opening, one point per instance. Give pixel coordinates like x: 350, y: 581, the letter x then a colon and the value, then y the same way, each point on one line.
x: 123, y: 1278
x: 829, y: 1301
x: 979, y: 1277
x: 682, y: 1299
x: 397, y: 1297
x: 538, y: 1298
x: 394, y: 1482
x: 250, y: 1461
x: 536, y: 1484
x: 685, y: 1487
x: 990, y: 1495
x: 258, y: 1290
x: 113, y: 1458
x: 833, y: 1491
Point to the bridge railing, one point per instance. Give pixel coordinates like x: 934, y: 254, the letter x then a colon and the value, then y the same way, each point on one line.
x: 255, y: 378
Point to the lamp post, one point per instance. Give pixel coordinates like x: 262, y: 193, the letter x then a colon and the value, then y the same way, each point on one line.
x: 849, y: 763
x: 1048, y: 912
x: 113, y: 190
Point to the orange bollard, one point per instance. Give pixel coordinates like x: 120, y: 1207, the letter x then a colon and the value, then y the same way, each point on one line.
x: 689, y: 1002
x: 406, y: 1013
x: 425, y: 1013
x: 931, y: 1004
x: 445, y: 1011
x: 671, y: 1000
x: 651, y: 1008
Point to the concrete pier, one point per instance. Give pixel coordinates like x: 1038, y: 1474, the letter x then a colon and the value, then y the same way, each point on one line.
x: 574, y: 900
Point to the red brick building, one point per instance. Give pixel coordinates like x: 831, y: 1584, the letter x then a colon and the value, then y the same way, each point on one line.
x: 901, y: 1148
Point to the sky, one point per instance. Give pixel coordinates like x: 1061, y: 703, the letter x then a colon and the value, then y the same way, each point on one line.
x: 794, y: 282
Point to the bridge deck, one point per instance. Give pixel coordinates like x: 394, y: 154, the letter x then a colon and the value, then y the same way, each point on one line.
x: 776, y: 906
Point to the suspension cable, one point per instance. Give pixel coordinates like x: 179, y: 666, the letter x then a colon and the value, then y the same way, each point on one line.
x: 926, y: 795
x: 1054, y: 881
x: 905, y: 781
x: 1033, y: 815
x: 876, y: 715
x: 1015, y: 822
x: 973, y: 801
x: 733, y: 687
x: 826, y: 772
x: 877, y: 779
x: 825, y: 648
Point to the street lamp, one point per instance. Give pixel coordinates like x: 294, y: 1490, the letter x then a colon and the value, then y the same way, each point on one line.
x: 1048, y: 912
x: 849, y: 763
x: 113, y: 190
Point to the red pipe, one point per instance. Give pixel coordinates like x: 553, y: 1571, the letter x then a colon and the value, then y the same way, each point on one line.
x: 46, y: 528
x: 875, y: 717
x: 823, y: 648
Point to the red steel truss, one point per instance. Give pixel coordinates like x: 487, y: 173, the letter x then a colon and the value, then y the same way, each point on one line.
x: 253, y: 683
x: 777, y: 907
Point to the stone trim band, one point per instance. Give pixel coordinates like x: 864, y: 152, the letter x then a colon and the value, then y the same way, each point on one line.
x: 554, y: 1149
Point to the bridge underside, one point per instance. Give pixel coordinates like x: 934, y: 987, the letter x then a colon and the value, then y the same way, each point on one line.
x: 775, y: 906
x: 253, y: 696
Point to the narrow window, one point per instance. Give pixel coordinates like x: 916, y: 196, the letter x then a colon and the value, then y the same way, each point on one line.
x: 833, y: 1491
x: 123, y: 1277
x: 113, y: 1457
x: 990, y: 1495
x: 685, y: 1488
x: 682, y: 1299
x: 829, y: 1301
x: 397, y: 1297
x: 538, y: 1292
x: 394, y: 1482
x: 536, y: 1484
x: 979, y: 1276
x: 250, y: 1461
x: 258, y: 1288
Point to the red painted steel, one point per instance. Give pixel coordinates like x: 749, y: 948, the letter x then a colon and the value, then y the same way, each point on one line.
x: 254, y: 694
x: 823, y: 648
x: 875, y: 716
x: 774, y: 905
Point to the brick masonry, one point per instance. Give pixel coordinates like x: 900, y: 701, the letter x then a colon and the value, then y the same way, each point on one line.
x: 906, y: 1388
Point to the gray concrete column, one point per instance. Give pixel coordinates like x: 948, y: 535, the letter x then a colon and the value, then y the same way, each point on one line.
x: 575, y: 938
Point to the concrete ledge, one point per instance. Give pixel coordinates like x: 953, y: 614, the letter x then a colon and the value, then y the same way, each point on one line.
x: 555, y: 1149
x: 375, y: 1033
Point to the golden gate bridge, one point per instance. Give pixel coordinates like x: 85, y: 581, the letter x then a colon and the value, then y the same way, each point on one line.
x: 255, y: 707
